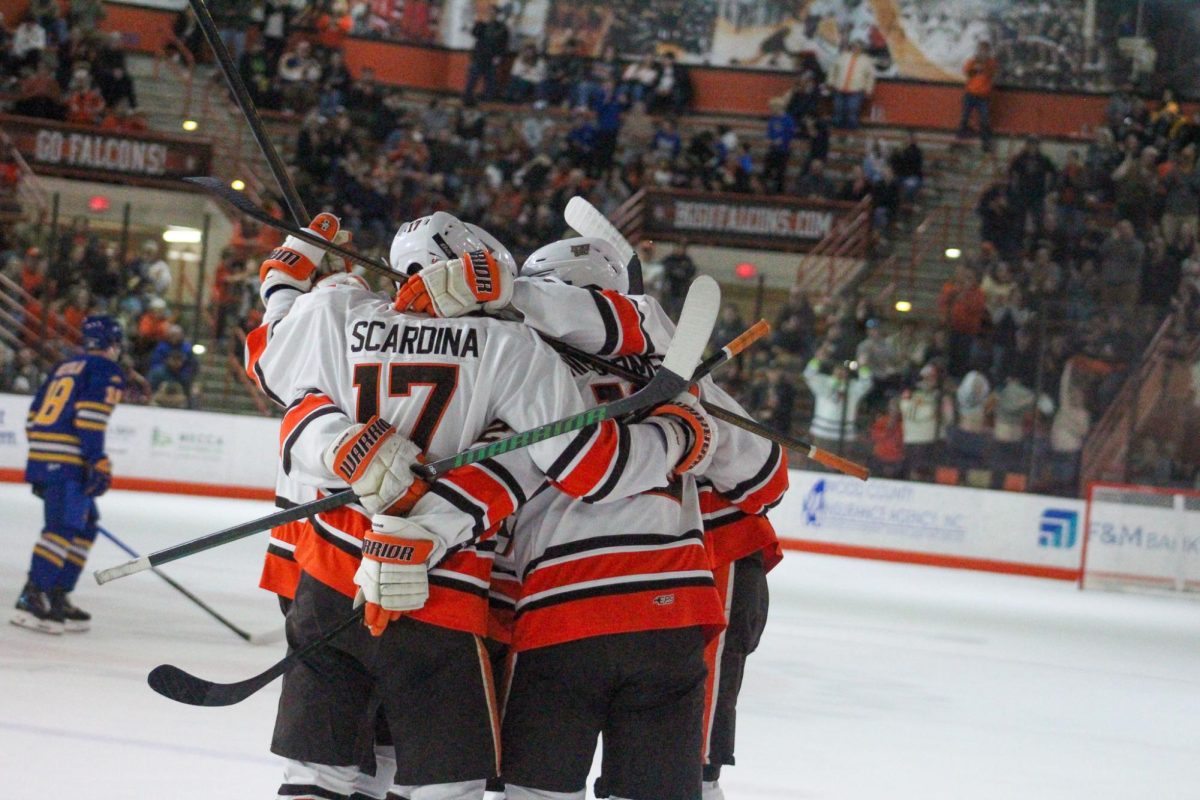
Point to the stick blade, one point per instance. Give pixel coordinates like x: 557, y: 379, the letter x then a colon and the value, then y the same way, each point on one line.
x: 183, y: 687
x: 220, y: 189
x: 587, y: 220
x: 140, y: 564
x: 696, y: 321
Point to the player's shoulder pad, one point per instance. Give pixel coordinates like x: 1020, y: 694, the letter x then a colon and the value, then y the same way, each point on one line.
x: 105, y: 369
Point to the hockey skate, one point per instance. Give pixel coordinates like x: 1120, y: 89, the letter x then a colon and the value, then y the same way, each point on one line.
x: 35, y: 612
x: 74, y: 619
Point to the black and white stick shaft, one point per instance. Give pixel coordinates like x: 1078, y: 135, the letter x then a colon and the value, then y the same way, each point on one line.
x: 232, y: 534
x: 245, y: 103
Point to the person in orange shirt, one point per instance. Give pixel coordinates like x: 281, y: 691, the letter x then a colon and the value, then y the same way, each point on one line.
x: 964, y: 311
x: 981, y: 73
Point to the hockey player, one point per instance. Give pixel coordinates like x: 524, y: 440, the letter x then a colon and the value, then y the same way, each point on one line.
x: 585, y: 649
x: 574, y: 290
x: 368, y: 391
x: 69, y: 470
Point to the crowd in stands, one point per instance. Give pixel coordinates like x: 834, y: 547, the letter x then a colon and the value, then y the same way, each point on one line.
x: 1079, y: 257
x: 61, y: 67
x: 1079, y: 261
x: 50, y: 292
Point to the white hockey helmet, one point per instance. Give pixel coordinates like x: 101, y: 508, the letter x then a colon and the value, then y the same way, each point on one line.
x: 427, y: 240
x: 582, y: 261
x: 498, y: 251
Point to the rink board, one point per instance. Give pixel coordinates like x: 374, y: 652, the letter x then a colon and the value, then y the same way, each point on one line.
x: 168, y: 450
x: 228, y: 455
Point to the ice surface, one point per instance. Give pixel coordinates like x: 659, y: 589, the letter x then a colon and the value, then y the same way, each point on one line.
x: 873, y: 680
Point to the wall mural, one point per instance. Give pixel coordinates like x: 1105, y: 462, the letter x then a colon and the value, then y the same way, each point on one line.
x: 1045, y: 44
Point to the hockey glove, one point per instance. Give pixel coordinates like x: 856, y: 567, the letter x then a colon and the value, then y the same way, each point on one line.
x: 294, y: 262
x: 689, y: 431
x: 376, y: 462
x: 457, y: 287
x: 393, y: 576
x: 97, y: 477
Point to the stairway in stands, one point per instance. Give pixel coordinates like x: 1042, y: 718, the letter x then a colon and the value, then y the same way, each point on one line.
x: 945, y: 218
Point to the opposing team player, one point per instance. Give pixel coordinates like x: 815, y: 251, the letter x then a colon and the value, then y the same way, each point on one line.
x: 573, y: 290
x: 68, y: 469
x: 368, y: 391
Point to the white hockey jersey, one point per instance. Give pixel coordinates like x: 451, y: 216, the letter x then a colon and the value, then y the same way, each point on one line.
x: 640, y: 563
x: 340, y: 354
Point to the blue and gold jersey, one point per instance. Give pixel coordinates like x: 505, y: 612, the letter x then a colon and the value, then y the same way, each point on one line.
x: 69, y: 416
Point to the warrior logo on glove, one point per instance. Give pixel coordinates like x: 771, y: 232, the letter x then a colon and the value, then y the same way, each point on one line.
x: 361, y: 447
x: 397, y: 551
x: 482, y: 265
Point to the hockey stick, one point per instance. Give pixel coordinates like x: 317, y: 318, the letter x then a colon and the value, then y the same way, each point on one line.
x: 219, y: 189
x: 831, y: 460
x: 338, y: 499
x: 587, y: 220
x: 245, y: 103
x: 249, y: 637
x: 183, y: 687
x: 232, y: 534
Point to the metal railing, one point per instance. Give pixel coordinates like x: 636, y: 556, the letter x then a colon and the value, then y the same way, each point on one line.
x: 839, y: 257
x: 1106, y: 451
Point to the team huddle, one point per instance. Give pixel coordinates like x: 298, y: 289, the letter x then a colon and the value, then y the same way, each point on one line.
x: 608, y: 581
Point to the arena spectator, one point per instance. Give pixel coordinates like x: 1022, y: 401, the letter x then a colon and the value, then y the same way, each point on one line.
x: 639, y: 78
x: 28, y: 44
x: 964, y: 311
x: 908, y: 163
x: 773, y: 400
x: 38, y: 95
x: 678, y: 272
x: 173, y: 359
x: 1032, y: 174
x: 887, y: 442
x: 527, y: 76
x: 981, y: 73
x: 815, y: 184
x: 1134, y: 183
x: 851, y: 80
x: 85, y: 104
x: 1121, y: 260
x: 781, y: 130
x: 1179, y: 186
x: 968, y: 439
x: 298, y: 71
x: 1013, y: 405
x: 836, y: 395
x: 673, y: 89
x: 921, y: 409
x: 491, y: 46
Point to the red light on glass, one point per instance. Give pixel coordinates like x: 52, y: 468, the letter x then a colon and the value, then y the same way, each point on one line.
x: 98, y: 203
x: 745, y: 270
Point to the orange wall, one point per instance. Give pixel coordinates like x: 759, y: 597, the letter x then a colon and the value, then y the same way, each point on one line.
x: 900, y: 103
